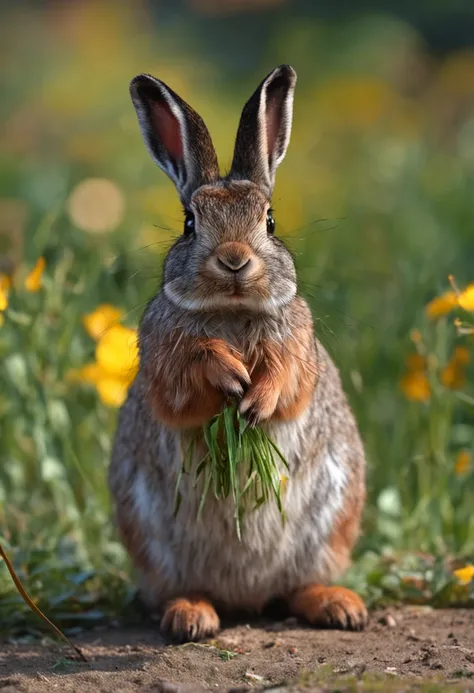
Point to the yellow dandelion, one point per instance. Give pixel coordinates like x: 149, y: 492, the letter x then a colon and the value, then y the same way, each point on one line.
x: 463, y: 462
x: 33, y: 280
x: 441, y: 305
x: 416, y: 386
x: 117, y: 352
x: 461, y: 355
x: 465, y: 575
x: 101, y: 319
x: 453, y: 374
x: 90, y: 373
x: 453, y: 377
x: 112, y: 391
x: 5, y: 284
x: 3, y: 300
x: 466, y: 298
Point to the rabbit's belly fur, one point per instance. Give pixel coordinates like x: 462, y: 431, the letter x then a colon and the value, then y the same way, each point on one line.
x: 185, y: 555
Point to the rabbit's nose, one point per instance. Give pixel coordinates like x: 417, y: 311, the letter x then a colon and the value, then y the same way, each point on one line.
x: 233, y: 256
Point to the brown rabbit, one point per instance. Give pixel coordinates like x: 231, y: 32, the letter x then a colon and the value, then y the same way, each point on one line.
x: 228, y: 322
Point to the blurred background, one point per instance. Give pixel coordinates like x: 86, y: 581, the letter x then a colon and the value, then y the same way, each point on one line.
x: 375, y: 199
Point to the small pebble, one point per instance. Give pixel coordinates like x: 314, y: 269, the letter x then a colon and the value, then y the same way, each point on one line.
x: 292, y: 651
x: 389, y: 621
x: 436, y: 665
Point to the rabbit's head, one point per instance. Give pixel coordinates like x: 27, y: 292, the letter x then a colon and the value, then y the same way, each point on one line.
x: 228, y: 257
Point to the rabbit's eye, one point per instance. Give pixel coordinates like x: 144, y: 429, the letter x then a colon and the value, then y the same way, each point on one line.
x: 189, y: 223
x: 270, y: 223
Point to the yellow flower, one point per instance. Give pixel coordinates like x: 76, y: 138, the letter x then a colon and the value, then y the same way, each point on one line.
x: 5, y: 284
x: 416, y: 386
x: 461, y: 355
x: 102, y: 318
x: 116, y: 362
x: 117, y: 352
x: 463, y: 462
x: 453, y: 375
x: 441, y: 305
x: 466, y: 298
x: 112, y: 391
x: 465, y: 575
x: 33, y: 280
x: 90, y: 373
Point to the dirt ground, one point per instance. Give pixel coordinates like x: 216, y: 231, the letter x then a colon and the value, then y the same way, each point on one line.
x: 410, y: 643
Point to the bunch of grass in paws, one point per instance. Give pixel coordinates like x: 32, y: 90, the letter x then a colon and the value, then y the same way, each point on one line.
x: 241, y: 462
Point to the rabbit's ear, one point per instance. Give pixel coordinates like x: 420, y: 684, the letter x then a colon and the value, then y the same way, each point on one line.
x: 175, y: 135
x: 264, y: 129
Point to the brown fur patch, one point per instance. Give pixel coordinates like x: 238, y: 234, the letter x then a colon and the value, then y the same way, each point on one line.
x: 190, y: 379
x: 345, y: 531
x: 329, y: 607
x: 189, y: 619
x: 283, y: 380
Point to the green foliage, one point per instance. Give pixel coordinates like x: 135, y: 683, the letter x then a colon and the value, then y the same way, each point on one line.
x: 241, y: 462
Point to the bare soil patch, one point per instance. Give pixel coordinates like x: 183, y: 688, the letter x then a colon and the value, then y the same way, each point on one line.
x: 409, y: 644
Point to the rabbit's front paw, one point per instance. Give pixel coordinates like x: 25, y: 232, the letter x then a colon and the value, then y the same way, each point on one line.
x: 189, y: 620
x: 330, y: 607
x: 227, y: 373
x: 260, y: 402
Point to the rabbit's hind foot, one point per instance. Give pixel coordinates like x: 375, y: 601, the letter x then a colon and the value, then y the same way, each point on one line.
x: 189, y: 619
x: 329, y: 607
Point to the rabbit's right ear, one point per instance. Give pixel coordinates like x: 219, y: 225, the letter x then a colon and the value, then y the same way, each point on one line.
x: 264, y: 130
x: 175, y: 135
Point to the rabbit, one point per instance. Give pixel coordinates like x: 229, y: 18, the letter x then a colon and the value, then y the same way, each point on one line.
x: 228, y: 323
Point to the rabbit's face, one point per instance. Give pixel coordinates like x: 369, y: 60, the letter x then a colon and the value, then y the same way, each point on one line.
x: 228, y: 257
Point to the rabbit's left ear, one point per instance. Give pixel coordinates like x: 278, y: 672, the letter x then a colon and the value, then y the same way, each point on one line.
x: 175, y: 135
x: 264, y: 130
